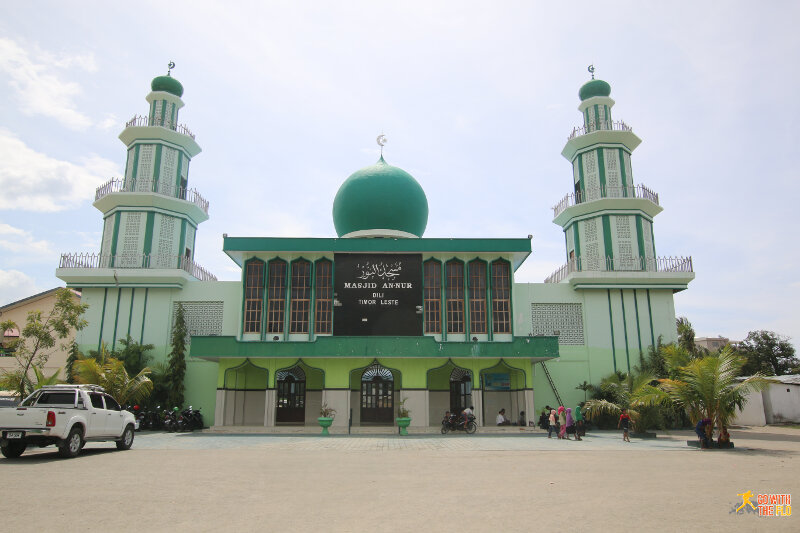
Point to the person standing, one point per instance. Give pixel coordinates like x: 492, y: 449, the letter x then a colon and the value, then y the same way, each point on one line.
x: 570, y: 423
x: 552, y: 427
x: 625, y: 423
x: 562, y: 422
x: 580, y: 428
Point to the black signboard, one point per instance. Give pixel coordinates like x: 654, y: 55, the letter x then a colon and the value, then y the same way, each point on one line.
x: 377, y: 294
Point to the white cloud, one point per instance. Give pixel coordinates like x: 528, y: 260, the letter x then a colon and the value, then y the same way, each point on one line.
x: 15, y: 285
x: 22, y: 243
x: 37, y: 182
x: 40, y: 89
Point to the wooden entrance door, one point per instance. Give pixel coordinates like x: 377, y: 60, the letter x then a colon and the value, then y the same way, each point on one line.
x: 291, y: 408
x: 377, y: 401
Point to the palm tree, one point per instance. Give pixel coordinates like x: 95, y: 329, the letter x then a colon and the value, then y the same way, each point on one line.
x: 633, y: 391
x: 112, y: 376
x: 708, y: 388
x: 43, y: 381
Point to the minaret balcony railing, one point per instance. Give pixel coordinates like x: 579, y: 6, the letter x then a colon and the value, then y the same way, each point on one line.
x: 608, y: 125
x: 141, y: 120
x: 88, y: 260
x: 622, y: 264
x: 149, y: 186
x: 597, y: 193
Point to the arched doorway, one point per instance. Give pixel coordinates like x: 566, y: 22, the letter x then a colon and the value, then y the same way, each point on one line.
x: 245, y: 389
x: 460, y: 389
x: 377, y: 395
x: 291, y: 399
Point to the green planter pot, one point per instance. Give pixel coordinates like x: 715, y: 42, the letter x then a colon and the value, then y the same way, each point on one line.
x: 325, y: 422
x: 403, y: 423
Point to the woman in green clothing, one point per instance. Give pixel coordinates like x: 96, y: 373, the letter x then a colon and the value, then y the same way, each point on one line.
x: 580, y: 429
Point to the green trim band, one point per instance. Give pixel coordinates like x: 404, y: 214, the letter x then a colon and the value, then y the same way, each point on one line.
x: 625, y: 328
x: 607, y: 242
x: 601, y: 168
x: 622, y: 173
x: 144, y: 314
x: 116, y: 320
x: 611, y: 323
x: 130, y: 314
x: 148, y: 233
x: 650, y: 314
x: 638, y: 328
x: 214, y: 348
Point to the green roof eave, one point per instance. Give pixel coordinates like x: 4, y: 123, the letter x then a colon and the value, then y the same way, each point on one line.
x: 241, y: 248
x: 216, y: 348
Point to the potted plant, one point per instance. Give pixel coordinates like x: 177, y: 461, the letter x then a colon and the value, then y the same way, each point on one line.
x: 403, y: 416
x: 326, y: 416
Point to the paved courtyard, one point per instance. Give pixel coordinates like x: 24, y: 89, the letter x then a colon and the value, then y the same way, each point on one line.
x: 497, y: 482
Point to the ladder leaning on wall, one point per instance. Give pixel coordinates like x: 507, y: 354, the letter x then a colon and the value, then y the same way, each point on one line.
x: 552, y: 385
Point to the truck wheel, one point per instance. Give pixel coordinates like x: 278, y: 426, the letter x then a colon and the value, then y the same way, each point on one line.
x: 12, y: 450
x: 127, y: 439
x: 71, y: 447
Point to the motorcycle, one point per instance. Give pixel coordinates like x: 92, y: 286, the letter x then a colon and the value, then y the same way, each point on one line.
x: 171, y: 419
x: 192, y: 419
x: 454, y: 422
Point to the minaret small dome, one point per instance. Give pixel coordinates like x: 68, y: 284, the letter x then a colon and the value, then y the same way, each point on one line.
x: 380, y: 201
x: 594, y: 88
x: 167, y: 84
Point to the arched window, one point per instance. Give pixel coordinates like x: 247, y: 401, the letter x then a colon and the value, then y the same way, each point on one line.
x: 323, y: 319
x: 433, y: 296
x: 455, y: 296
x: 501, y: 297
x: 301, y: 297
x: 477, y: 296
x: 253, y: 296
x: 276, y: 296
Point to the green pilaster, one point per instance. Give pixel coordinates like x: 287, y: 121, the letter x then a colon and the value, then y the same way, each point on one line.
x: 102, y: 319
x: 625, y: 328
x: 148, y: 233
x: 172, y: 118
x: 178, y: 175
x: 601, y: 167
x: 577, y: 240
x: 581, y: 182
x: 135, y: 163
x: 611, y: 325
x: 640, y: 238
x: 609, y: 245
x: 115, y: 237
x: 623, y: 175
x: 638, y: 327
x: 157, y: 167
x: 596, y: 116
x: 144, y: 315
x: 650, y: 314
x: 182, y: 241
x: 130, y: 313
x: 116, y: 320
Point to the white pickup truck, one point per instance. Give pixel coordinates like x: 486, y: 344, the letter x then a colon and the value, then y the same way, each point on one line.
x: 67, y: 416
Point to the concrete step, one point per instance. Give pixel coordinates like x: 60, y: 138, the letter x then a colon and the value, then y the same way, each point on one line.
x: 361, y: 430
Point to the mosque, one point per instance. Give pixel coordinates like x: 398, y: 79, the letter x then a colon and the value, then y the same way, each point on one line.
x: 380, y: 314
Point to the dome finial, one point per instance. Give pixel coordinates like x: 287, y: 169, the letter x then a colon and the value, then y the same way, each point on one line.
x: 381, y: 140
x: 591, y: 70
x: 170, y: 66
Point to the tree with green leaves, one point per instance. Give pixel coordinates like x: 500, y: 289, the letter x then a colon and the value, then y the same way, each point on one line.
x: 134, y: 355
x: 710, y: 387
x: 177, y: 359
x: 685, y: 334
x: 633, y: 391
x: 39, y: 337
x: 74, y: 355
x: 112, y: 376
x: 768, y: 353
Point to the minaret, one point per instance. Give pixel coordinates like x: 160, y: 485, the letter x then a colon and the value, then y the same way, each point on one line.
x: 608, y: 218
x: 151, y: 216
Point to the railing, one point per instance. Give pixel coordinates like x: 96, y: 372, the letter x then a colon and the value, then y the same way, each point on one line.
x: 141, y: 120
x: 596, y: 193
x: 599, y: 125
x: 89, y: 260
x: 162, y: 188
x: 622, y: 264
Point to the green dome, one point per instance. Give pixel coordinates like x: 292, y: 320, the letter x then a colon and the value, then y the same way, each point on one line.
x: 381, y: 201
x: 167, y: 84
x: 594, y: 88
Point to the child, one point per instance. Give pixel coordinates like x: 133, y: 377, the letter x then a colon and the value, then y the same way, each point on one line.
x: 625, y: 422
x: 552, y: 428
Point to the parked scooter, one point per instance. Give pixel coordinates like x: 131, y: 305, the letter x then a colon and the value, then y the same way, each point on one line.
x: 454, y: 422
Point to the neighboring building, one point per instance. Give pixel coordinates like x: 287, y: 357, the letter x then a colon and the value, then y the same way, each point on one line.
x: 712, y: 344
x: 18, y: 313
x: 380, y: 314
x: 779, y: 403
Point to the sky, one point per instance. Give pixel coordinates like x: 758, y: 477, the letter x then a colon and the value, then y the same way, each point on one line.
x: 476, y: 99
